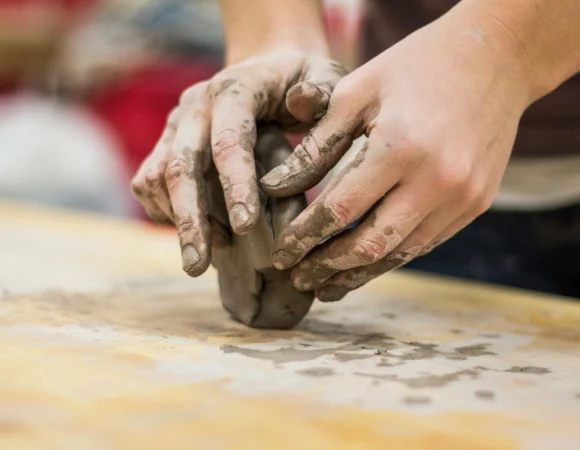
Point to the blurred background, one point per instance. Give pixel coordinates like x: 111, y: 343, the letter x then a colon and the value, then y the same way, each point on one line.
x: 86, y: 85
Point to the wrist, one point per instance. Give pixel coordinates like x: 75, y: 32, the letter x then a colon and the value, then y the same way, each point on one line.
x: 256, y: 27
x: 535, y: 41
x: 501, y: 48
x: 305, y: 43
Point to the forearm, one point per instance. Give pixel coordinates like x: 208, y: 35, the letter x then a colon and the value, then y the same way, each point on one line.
x: 255, y: 27
x: 541, y: 36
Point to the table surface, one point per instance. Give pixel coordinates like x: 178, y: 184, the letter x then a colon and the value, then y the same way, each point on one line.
x: 106, y: 344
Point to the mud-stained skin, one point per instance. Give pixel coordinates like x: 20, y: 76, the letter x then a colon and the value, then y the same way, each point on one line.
x: 217, y: 119
x: 251, y: 289
x: 341, y: 284
x: 338, y: 256
x: 321, y: 219
x: 224, y: 86
x: 308, y: 231
x: 307, y: 166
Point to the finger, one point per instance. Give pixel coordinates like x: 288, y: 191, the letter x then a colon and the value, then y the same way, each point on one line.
x: 318, y: 152
x: 233, y: 136
x: 308, y: 100
x: 342, y: 283
x: 157, y: 190
x: 348, y: 196
x: 420, y: 241
x: 391, y: 222
x: 455, y: 227
x: 148, y: 202
x: 148, y: 185
x: 187, y: 189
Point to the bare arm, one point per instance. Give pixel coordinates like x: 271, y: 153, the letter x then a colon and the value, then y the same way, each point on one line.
x: 543, y: 36
x: 256, y: 27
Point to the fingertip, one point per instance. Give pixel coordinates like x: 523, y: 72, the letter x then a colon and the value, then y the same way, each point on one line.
x: 307, y: 102
x: 330, y: 293
x: 282, y: 182
x: 243, y: 218
x: 272, y: 180
x: 283, y: 260
x: 193, y: 263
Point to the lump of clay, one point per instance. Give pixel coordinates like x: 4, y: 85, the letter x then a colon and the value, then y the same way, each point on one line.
x: 251, y: 289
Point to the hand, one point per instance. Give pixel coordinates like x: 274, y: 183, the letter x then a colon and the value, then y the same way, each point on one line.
x: 441, y: 111
x: 289, y: 88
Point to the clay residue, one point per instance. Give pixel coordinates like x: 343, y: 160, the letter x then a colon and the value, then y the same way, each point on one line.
x: 484, y: 394
x: 426, y: 381
x: 417, y: 400
x: 374, y: 346
x: 529, y: 369
x: 427, y: 351
x: 317, y: 372
x: 282, y: 355
x: 346, y: 351
x: 344, y: 356
x: 474, y: 350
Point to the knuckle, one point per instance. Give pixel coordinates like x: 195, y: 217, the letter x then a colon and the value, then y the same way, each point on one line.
x: 344, y: 90
x: 225, y: 82
x: 177, y: 167
x: 226, y: 141
x: 184, y: 225
x: 369, y: 250
x: 451, y: 176
x: 308, y: 152
x: 192, y: 94
x: 340, y: 213
x: 469, y: 196
x: 153, y: 180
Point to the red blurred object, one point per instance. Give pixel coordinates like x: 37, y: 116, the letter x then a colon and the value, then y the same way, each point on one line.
x: 138, y: 109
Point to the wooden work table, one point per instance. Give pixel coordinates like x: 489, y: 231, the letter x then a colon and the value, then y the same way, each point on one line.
x: 106, y: 344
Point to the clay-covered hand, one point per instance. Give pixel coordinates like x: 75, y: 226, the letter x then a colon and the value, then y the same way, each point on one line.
x: 441, y: 111
x: 251, y: 289
x: 217, y: 119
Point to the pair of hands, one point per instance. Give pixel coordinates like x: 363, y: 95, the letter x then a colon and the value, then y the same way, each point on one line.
x: 440, y: 111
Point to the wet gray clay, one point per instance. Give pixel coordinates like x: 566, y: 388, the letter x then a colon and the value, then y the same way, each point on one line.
x: 251, y: 289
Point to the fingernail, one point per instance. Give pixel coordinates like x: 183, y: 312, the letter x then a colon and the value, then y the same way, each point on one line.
x: 239, y: 216
x: 274, y: 177
x: 189, y: 258
x: 331, y: 293
x: 282, y: 260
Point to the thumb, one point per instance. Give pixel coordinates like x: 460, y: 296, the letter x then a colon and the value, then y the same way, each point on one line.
x: 307, y: 101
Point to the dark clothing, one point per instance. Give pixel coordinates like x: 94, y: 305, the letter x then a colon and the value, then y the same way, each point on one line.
x: 551, y: 126
x: 539, y: 251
